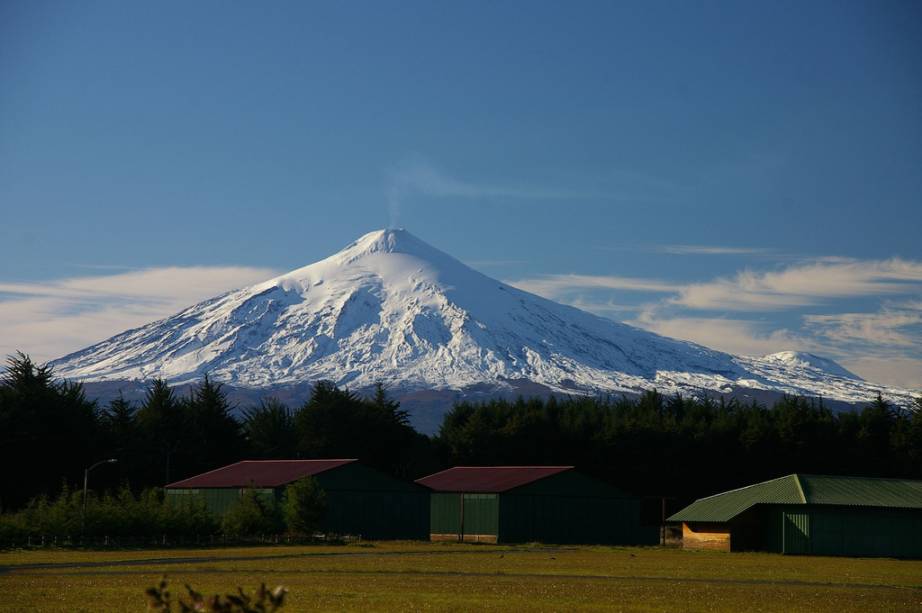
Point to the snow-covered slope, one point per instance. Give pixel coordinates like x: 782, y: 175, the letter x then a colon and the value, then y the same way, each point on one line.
x: 390, y: 308
x: 801, y: 360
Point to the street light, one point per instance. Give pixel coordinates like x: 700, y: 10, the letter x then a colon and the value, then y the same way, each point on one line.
x: 86, y: 479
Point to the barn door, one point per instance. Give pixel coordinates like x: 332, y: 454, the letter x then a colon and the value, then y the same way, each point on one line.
x: 795, y: 532
x: 481, y: 517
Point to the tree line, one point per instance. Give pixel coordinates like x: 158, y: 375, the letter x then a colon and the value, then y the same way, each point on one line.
x: 50, y: 431
x: 687, y: 448
x: 149, y: 514
x: 653, y: 445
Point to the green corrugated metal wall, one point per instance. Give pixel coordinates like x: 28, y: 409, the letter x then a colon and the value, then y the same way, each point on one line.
x: 572, y: 508
x: 786, y: 529
x: 846, y: 531
x: 565, y: 508
x: 365, y: 502
x: 571, y: 519
x: 481, y: 513
x: 360, y: 501
x: 445, y: 513
x: 377, y: 515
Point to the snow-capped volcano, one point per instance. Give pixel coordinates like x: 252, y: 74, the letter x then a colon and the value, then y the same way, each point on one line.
x: 390, y: 308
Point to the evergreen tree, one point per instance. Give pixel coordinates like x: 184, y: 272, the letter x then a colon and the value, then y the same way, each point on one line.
x: 388, y: 407
x: 49, y: 431
x: 121, y: 436
x: 164, y: 425
x: 336, y: 423
x: 873, y: 437
x: 119, y: 417
x: 914, y: 441
x: 215, y: 436
x: 269, y: 430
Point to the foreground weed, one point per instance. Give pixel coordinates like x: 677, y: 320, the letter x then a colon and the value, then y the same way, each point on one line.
x: 161, y: 600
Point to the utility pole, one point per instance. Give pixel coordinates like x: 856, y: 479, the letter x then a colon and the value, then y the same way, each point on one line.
x: 86, y: 480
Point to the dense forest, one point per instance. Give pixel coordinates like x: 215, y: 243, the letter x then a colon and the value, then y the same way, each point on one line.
x: 654, y: 446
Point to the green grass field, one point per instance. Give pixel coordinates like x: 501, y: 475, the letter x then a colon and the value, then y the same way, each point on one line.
x: 424, y: 576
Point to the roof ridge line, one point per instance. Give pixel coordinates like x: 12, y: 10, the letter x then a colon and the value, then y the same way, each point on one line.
x: 207, y: 472
x: 828, y: 476
x: 238, y: 462
x: 746, y: 487
x: 444, y: 470
x: 297, y: 460
x: 800, y: 488
x: 509, y: 466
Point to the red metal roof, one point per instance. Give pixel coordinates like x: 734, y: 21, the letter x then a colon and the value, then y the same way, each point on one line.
x: 488, y: 479
x: 259, y: 473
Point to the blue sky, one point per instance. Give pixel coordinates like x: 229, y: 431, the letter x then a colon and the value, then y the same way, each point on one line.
x: 746, y: 175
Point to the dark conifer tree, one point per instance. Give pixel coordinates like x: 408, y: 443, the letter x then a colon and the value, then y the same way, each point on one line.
x: 119, y: 417
x: 269, y: 430
x: 163, y: 425
x: 336, y: 423
x: 216, y: 437
x: 913, y: 453
x: 873, y: 437
x: 48, y: 431
x: 121, y: 436
x: 390, y: 408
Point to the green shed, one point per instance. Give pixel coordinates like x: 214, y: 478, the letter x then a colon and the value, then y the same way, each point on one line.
x: 810, y: 514
x: 360, y: 501
x: 517, y: 504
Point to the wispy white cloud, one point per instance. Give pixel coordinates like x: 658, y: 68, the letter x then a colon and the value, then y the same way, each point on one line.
x: 492, y: 263
x: 736, y: 336
x: 426, y: 179
x: 803, y: 285
x: 710, y: 250
x: 102, y: 266
x: 418, y: 177
x: 704, y: 250
x: 50, y: 319
x: 890, y: 330
x: 603, y: 307
x: 880, y: 346
x: 795, y: 286
x: 557, y: 286
x: 894, y: 326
